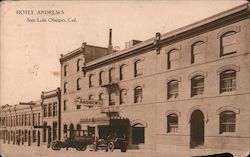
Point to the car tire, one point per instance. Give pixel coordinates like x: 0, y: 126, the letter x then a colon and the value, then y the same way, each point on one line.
x: 111, y: 146
x: 124, y: 148
x: 56, y: 146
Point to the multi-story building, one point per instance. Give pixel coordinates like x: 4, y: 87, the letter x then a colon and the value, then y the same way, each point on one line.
x: 51, y: 115
x: 32, y: 123
x: 186, y: 89
x: 18, y: 123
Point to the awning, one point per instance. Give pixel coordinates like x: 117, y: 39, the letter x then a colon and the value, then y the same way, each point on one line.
x: 98, y: 118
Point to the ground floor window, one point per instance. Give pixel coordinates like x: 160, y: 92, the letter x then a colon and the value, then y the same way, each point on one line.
x: 227, y: 121
x: 138, y: 134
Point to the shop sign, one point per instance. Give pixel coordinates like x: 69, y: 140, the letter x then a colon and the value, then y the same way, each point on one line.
x: 87, y: 102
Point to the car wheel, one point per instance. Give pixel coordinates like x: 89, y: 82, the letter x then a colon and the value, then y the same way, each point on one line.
x: 56, y: 146
x: 111, y: 146
x: 83, y: 148
x: 124, y: 148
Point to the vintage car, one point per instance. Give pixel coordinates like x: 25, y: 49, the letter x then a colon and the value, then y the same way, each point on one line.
x: 79, y: 141
x: 111, y: 144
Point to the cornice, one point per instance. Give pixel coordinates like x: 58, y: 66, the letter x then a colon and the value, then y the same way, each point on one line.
x: 219, y: 20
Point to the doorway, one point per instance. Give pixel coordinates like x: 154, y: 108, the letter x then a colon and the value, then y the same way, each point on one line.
x: 196, y: 129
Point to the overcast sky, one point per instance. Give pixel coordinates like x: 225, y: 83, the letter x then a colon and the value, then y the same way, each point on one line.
x: 30, y: 51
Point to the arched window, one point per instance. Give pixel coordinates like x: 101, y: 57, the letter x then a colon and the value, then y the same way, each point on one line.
x: 138, y: 68
x: 173, y: 57
x: 138, y: 94
x: 172, y: 89
x: 65, y: 128
x: 101, y: 97
x: 228, y: 81
x: 78, y: 87
x: 138, y: 134
x: 65, y: 70
x: 228, y: 43
x: 197, y: 85
x: 91, y: 81
x: 122, y: 71
x: 172, y: 123
x: 101, y: 78
x: 227, y: 121
x: 78, y: 65
x: 64, y: 105
x: 112, y: 98
x: 197, y: 52
x: 123, y: 94
x: 111, y: 75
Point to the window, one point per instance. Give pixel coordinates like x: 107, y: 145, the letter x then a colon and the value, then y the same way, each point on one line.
x: 121, y: 71
x: 173, y: 89
x: 35, y: 119
x: 138, y: 134
x: 101, y: 97
x: 112, y: 98
x: 64, y: 105
x: 78, y: 65
x: 138, y: 94
x: 34, y: 135
x: 197, y: 85
x: 111, y: 75
x: 54, y: 128
x: 101, y: 78
x: 78, y: 84
x: 197, y: 52
x: 39, y: 117
x: 91, y: 84
x: 228, y: 81
x: 172, y: 123
x: 54, y: 109
x: 65, y: 70
x: 123, y: 94
x: 138, y: 68
x: 65, y: 87
x: 173, y: 57
x: 50, y: 110
x: 65, y: 128
x: 78, y: 106
x: 45, y: 110
x: 227, y: 121
x: 228, y: 43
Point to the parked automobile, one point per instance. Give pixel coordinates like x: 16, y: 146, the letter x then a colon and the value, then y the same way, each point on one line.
x: 111, y: 144
x: 79, y: 141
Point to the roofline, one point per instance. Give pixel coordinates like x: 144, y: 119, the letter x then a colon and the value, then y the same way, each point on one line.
x: 218, y: 20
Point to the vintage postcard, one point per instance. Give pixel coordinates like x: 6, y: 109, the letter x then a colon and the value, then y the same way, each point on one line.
x: 125, y: 78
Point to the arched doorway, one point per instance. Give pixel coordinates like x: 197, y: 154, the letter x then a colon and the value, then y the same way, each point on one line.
x: 71, y: 131
x: 29, y: 138
x: 196, y: 129
x: 138, y: 134
x: 38, y: 138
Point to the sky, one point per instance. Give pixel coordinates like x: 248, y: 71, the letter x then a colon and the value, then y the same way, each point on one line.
x: 30, y: 51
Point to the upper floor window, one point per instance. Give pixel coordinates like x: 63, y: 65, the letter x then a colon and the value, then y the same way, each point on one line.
x: 138, y: 68
x: 228, y: 43
x: 197, y: 52
x: 78, y: 66
x: 50, y: 110
x: 123, y: 94
x: 112, y: 98
x: 173, y: 57
x: 227, y: 121
x: 45, y: 110
x: 101, y: 78
x: 54, y: 109
x: 101, y: 97
x: 91, y: 80
x: 111, y: 75
x: 65, y: 70
x: 78, y: 106
x: 228, y: 81
x: 173, y: 89
x: 197, y: 85
x: 78, y: 87
x: 172, y: 123
x: 138, y: 94
x: 64, y: 105
x: 91, y: 97
x: 65, y: 87
x: 121, y: 71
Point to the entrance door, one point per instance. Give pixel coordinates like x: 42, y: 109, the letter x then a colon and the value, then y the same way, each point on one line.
x: 197, y: 129
x: 138, y: 133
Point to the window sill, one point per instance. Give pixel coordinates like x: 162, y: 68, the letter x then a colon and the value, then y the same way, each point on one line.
x: 197, y: 96
x: 227, y: 134
x: 228, y: 93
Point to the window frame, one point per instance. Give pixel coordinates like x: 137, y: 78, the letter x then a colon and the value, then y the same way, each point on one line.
x: 229, y: 81
x: 78, y: 87
x: 78, y: 65
x: 171, y: 126
x: 197, y: 43
x: 231, y: 33
x: 91, y: 84
x: 196, y: 89
x: 226, y: 125
x: 137, y: 71
x: 138, y: 94
x: 170, y: 91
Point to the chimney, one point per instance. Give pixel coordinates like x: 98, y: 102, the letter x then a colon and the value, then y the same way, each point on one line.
x: 110, y: 47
